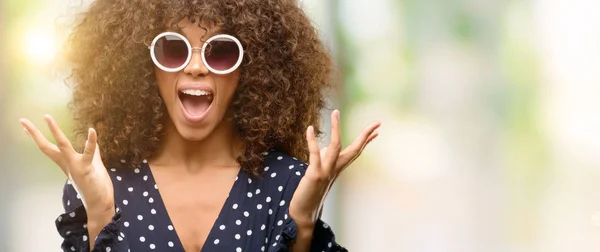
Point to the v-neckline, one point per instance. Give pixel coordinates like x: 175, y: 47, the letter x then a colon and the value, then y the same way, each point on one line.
x: 163, y: 207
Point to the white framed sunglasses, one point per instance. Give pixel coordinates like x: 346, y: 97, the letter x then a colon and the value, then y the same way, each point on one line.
x: 221, y: 53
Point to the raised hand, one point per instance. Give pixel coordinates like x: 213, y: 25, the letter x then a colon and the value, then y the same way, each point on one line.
x: 324, y: 168
x: 85, y: 170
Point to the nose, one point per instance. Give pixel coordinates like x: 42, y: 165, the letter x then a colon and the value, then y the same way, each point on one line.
x: 196, y: 67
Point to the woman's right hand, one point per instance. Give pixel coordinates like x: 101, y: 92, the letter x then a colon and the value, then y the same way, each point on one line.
x: 85, y: 170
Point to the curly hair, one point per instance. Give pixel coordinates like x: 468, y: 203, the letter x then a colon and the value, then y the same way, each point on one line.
x: 285, y: 72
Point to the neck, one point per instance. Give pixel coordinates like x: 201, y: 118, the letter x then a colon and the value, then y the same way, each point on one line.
x: 219, y: 149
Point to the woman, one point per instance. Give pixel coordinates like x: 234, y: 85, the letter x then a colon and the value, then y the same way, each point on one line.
x: 197, y: 116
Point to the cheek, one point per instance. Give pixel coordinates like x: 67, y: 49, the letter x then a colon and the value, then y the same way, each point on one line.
x: 165, y: 81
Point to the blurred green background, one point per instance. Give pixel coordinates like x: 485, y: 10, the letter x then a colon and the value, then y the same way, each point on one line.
x: 490, y: 137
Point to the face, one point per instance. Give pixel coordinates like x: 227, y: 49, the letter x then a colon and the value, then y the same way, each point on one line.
x: 197, y: 100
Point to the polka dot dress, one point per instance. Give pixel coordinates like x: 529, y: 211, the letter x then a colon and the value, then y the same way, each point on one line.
x: 254, y: 217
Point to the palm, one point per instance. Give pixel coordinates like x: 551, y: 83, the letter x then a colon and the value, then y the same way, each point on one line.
x: 325, y: 167
x: 85, y: 170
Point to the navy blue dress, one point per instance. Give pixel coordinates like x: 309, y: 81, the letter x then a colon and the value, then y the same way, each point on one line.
x: 253, y: 218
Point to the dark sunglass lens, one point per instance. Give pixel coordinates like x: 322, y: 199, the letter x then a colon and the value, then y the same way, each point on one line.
x: 222, y: 54
x: 171, y: 51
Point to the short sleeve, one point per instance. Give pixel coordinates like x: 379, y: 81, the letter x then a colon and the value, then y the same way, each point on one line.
x: 72, y: 226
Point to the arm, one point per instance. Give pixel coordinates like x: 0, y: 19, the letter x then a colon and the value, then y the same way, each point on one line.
x: 81, y: 233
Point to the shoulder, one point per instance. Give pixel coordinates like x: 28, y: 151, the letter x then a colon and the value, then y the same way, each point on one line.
x: 281, y: 170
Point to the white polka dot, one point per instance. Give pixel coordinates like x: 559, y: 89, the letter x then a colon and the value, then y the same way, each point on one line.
x: 249, y: 232
x: 216, y: 241
x: 246, y: 213
x: 266, y: 240
x: 249, y: 194
x: 262, y: 227
x: 262, y: 248
x: 68, y: 232
x: 78, y: 196
x: 145, y: 177
x: 266, y: 168
x: 130, y: 189
x: 277, y: 237
x: 170, y: 227
x: 273, y: 174
x: 257, y: 191
x: 329, y: 244
x: 298, y: 173
x: 151, y: 227
x: 113, y: 169
x: 119, y: 238
x: 270, y: 211
x: 238, y: 249
x: 68, y: 202
x: 259, y: 206
x: 72, y: 214
x: 285, y: 216
x: 171, y: 244
x: 108, y: 249
x: 136, y: 170
x: 294, y: 158
x: 84, y: 225
x: 72, y: 248
x: 84, y: 237
x: 222, y: 227
x: 274, y: 244
x: 126, y: 224
x: 151, y: 200
x: 268, y: 199
x: 152, y: 246
x: 325, y: 225
x: 59, y: 218
x: 291, y: 167
x: 155, y: 187
x: 237, y: 236
x: 236, y: 178
x: 123, y: 161
x: 142, y: 239
x: 153, y: 211
x: 145, y: 161
x: 280, y: 188
x: 235, y: 206
x: 279, y: 158
x: 265, y: 153
x: 125, y: 202
x: 119, y: 178
x: 145, y: 193
x: 140, y: 217
x: 121, y: 234
x: 282, y: 202
x: 238, y: 222
x: 279, y: 223
x: 249, y: 181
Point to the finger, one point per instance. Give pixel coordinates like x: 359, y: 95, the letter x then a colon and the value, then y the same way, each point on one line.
x: 48, y: 148
x: 335, y: 144
x: 354, y: 148
x: 313, y: 149
x: 351, y: 153
x: 90, y: 147
x: 62, y: 142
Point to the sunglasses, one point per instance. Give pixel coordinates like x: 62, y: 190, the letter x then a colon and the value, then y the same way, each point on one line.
x: 221, y: 54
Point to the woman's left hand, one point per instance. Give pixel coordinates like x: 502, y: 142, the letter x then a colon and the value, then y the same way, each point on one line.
x: 325, y: 166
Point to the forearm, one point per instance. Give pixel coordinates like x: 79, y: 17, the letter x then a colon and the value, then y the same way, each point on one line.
x: 304, y: 238
x: 95, y: 224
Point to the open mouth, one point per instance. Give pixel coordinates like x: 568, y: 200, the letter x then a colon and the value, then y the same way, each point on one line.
x: 195, y: 102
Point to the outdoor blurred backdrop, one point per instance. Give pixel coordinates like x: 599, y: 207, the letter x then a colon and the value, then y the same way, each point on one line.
x: 490, y: 111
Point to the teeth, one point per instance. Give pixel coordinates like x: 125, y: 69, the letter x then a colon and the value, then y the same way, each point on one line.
x: 195, y: 92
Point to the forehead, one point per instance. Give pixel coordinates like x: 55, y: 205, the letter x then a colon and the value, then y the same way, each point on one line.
x: 201, y: 30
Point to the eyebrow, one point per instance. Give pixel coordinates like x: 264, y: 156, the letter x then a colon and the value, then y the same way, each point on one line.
x: 208, y: 34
